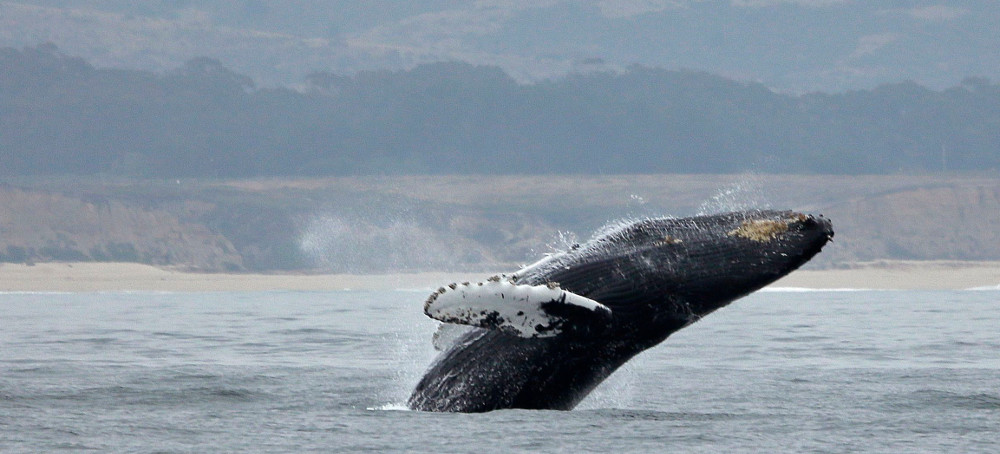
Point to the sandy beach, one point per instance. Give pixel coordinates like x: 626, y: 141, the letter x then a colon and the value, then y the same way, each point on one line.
x: 95, y: 277
x: 899, y: 275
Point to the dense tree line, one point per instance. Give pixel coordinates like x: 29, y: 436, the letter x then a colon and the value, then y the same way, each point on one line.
x: 60, y: 115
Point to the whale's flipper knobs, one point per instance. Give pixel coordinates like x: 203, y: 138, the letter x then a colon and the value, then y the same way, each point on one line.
x: 529, y: 311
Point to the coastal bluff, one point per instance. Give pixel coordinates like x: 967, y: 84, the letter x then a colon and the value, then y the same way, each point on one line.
x: 385, y: 224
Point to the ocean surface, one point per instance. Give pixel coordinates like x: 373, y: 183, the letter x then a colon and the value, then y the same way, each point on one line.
x: 779, y: 371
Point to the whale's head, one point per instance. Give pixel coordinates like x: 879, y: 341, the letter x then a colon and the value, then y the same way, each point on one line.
x: 670, y: 271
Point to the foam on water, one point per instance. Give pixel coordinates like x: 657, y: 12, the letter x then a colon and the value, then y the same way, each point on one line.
x: 390, y: 407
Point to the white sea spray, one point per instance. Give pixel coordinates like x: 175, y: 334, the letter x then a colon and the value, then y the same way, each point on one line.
x: 355, y: 244
x: 745, y: 193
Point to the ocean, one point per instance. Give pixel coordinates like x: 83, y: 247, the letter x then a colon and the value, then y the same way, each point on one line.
x: 778, y: 371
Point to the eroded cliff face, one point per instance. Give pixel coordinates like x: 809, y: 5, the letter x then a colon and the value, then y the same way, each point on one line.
x: 956, y: 221
x: 46, y: 226
x: 400, y: 224
x: 229, y: 227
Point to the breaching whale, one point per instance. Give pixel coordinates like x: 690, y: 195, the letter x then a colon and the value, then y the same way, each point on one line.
x: 546, y: 335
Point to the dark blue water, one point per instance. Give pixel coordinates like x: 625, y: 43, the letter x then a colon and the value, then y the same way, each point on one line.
x: 327, y: 372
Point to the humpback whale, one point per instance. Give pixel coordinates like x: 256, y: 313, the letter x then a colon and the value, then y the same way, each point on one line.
x: 546, y: 335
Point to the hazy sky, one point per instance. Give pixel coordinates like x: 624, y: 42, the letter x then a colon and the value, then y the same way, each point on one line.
x: 790, y: 45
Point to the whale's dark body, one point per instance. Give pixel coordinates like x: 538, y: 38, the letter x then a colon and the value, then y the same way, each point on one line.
x: 657, y: 276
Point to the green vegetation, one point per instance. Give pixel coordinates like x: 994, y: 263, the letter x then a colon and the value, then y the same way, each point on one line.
x: 61, y: 116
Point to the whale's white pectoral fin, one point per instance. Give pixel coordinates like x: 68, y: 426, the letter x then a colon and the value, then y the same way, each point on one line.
x: 523, y: 310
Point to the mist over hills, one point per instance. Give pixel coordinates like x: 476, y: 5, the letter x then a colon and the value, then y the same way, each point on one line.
x: 61, y: 115
x: 788, y: 45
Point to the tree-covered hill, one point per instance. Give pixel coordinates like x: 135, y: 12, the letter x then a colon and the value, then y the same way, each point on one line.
x: 60, y: 115
x: 790, y: 45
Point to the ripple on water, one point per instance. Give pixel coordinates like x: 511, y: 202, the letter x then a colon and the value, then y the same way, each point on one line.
x: 941, y: 399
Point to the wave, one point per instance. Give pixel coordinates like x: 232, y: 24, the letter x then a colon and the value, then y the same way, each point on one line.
x: 390, y: 407
x: 813, y: 290
x: 35, y: 292
x: 937, y: 398
x: 987, y: 288
x: 91, y: 292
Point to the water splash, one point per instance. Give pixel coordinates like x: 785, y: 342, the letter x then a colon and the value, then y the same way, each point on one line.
x: 564, y: 241
x: 746, y: 193
x: 390, y: 407
x: 638, y: 206
x: 408, y: 347
x: 353, y: 244
x: 617, y: 391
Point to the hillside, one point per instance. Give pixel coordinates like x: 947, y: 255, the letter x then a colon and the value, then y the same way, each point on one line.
x: 797, y: 46
x: 466, y: 223
x: 61, y: 116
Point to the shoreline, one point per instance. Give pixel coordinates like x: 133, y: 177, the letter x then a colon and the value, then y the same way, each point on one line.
x: 898, y: 275
x: 111, y: 277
